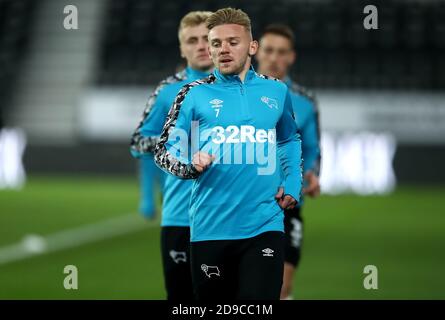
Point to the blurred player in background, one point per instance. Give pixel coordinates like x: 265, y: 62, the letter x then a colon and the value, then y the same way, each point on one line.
x: 150, y: 176
x: 236, y: 211
x: 276, y: 54
x: 175, y: 233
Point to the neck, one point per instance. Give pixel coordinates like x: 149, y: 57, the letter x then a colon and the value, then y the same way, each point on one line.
x: 287, y: 76
x: 283, y: 77
x: 242, y: 74
x: 205, y: 70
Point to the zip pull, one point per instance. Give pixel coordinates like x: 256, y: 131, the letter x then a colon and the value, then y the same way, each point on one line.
x: 241, y: 89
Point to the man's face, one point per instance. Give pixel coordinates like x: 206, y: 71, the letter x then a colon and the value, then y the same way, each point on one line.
x: 194, y: 47
x: 229, y: 47
x: 275, y: 55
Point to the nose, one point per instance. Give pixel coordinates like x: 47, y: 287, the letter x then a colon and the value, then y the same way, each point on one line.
x: 224, y: 48
x: 202, y: 45
x: 273, y: 56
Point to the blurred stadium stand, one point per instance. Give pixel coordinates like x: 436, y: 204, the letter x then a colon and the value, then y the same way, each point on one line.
x: 140, y: 45
x: 16, y: 19
x: 78, y: 94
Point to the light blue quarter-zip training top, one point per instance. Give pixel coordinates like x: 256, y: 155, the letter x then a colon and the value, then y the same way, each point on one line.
x: 176, y: 192
x: 250, y: 129
x: 307, y: 117
x: 306, y: 112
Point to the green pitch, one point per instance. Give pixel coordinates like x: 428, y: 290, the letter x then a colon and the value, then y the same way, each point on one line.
x: 401, y: 234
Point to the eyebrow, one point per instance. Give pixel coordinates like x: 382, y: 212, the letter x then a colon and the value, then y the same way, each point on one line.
x: 228, y: 39
x: 196, y: 37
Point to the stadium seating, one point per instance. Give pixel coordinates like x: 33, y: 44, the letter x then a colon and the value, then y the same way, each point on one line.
x: 139, y: 43
x: 16, y: 18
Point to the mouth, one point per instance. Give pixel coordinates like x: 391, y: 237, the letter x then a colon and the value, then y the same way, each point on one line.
x: 225, y: 60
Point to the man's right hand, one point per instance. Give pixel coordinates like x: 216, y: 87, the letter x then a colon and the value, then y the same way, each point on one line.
x: 202, y: 161
x: 286, y: 202
x: 313, y: 188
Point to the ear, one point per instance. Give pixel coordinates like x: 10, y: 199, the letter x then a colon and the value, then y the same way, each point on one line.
x: 293, y: 57
x: 253, y: 48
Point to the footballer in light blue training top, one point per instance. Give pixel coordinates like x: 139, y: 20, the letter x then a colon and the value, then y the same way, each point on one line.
x: 175, y: 232
x: 275, y: 56
x: 232, y: 132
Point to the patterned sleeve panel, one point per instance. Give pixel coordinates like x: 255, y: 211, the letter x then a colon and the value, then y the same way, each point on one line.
x: 267, y: 77
x: 164, y: 157
x: 143, y: 144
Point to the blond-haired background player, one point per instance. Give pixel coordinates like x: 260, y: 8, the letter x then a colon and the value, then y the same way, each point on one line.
x: 175, y: 233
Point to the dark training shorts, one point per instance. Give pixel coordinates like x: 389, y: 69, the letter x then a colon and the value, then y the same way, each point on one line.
x: 175, y: 250
x: 293, y: 239
x: 239, y: 269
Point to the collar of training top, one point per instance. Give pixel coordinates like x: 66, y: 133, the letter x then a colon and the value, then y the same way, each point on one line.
x: 234, y: 78
x: 195, y: 74
x: 288, y: 81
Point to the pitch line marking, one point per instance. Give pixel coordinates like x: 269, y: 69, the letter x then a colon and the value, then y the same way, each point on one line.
x: 34, y: 245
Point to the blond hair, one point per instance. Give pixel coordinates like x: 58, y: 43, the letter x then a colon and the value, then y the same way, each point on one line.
x: 193, y: 19
x: 229, y: 16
